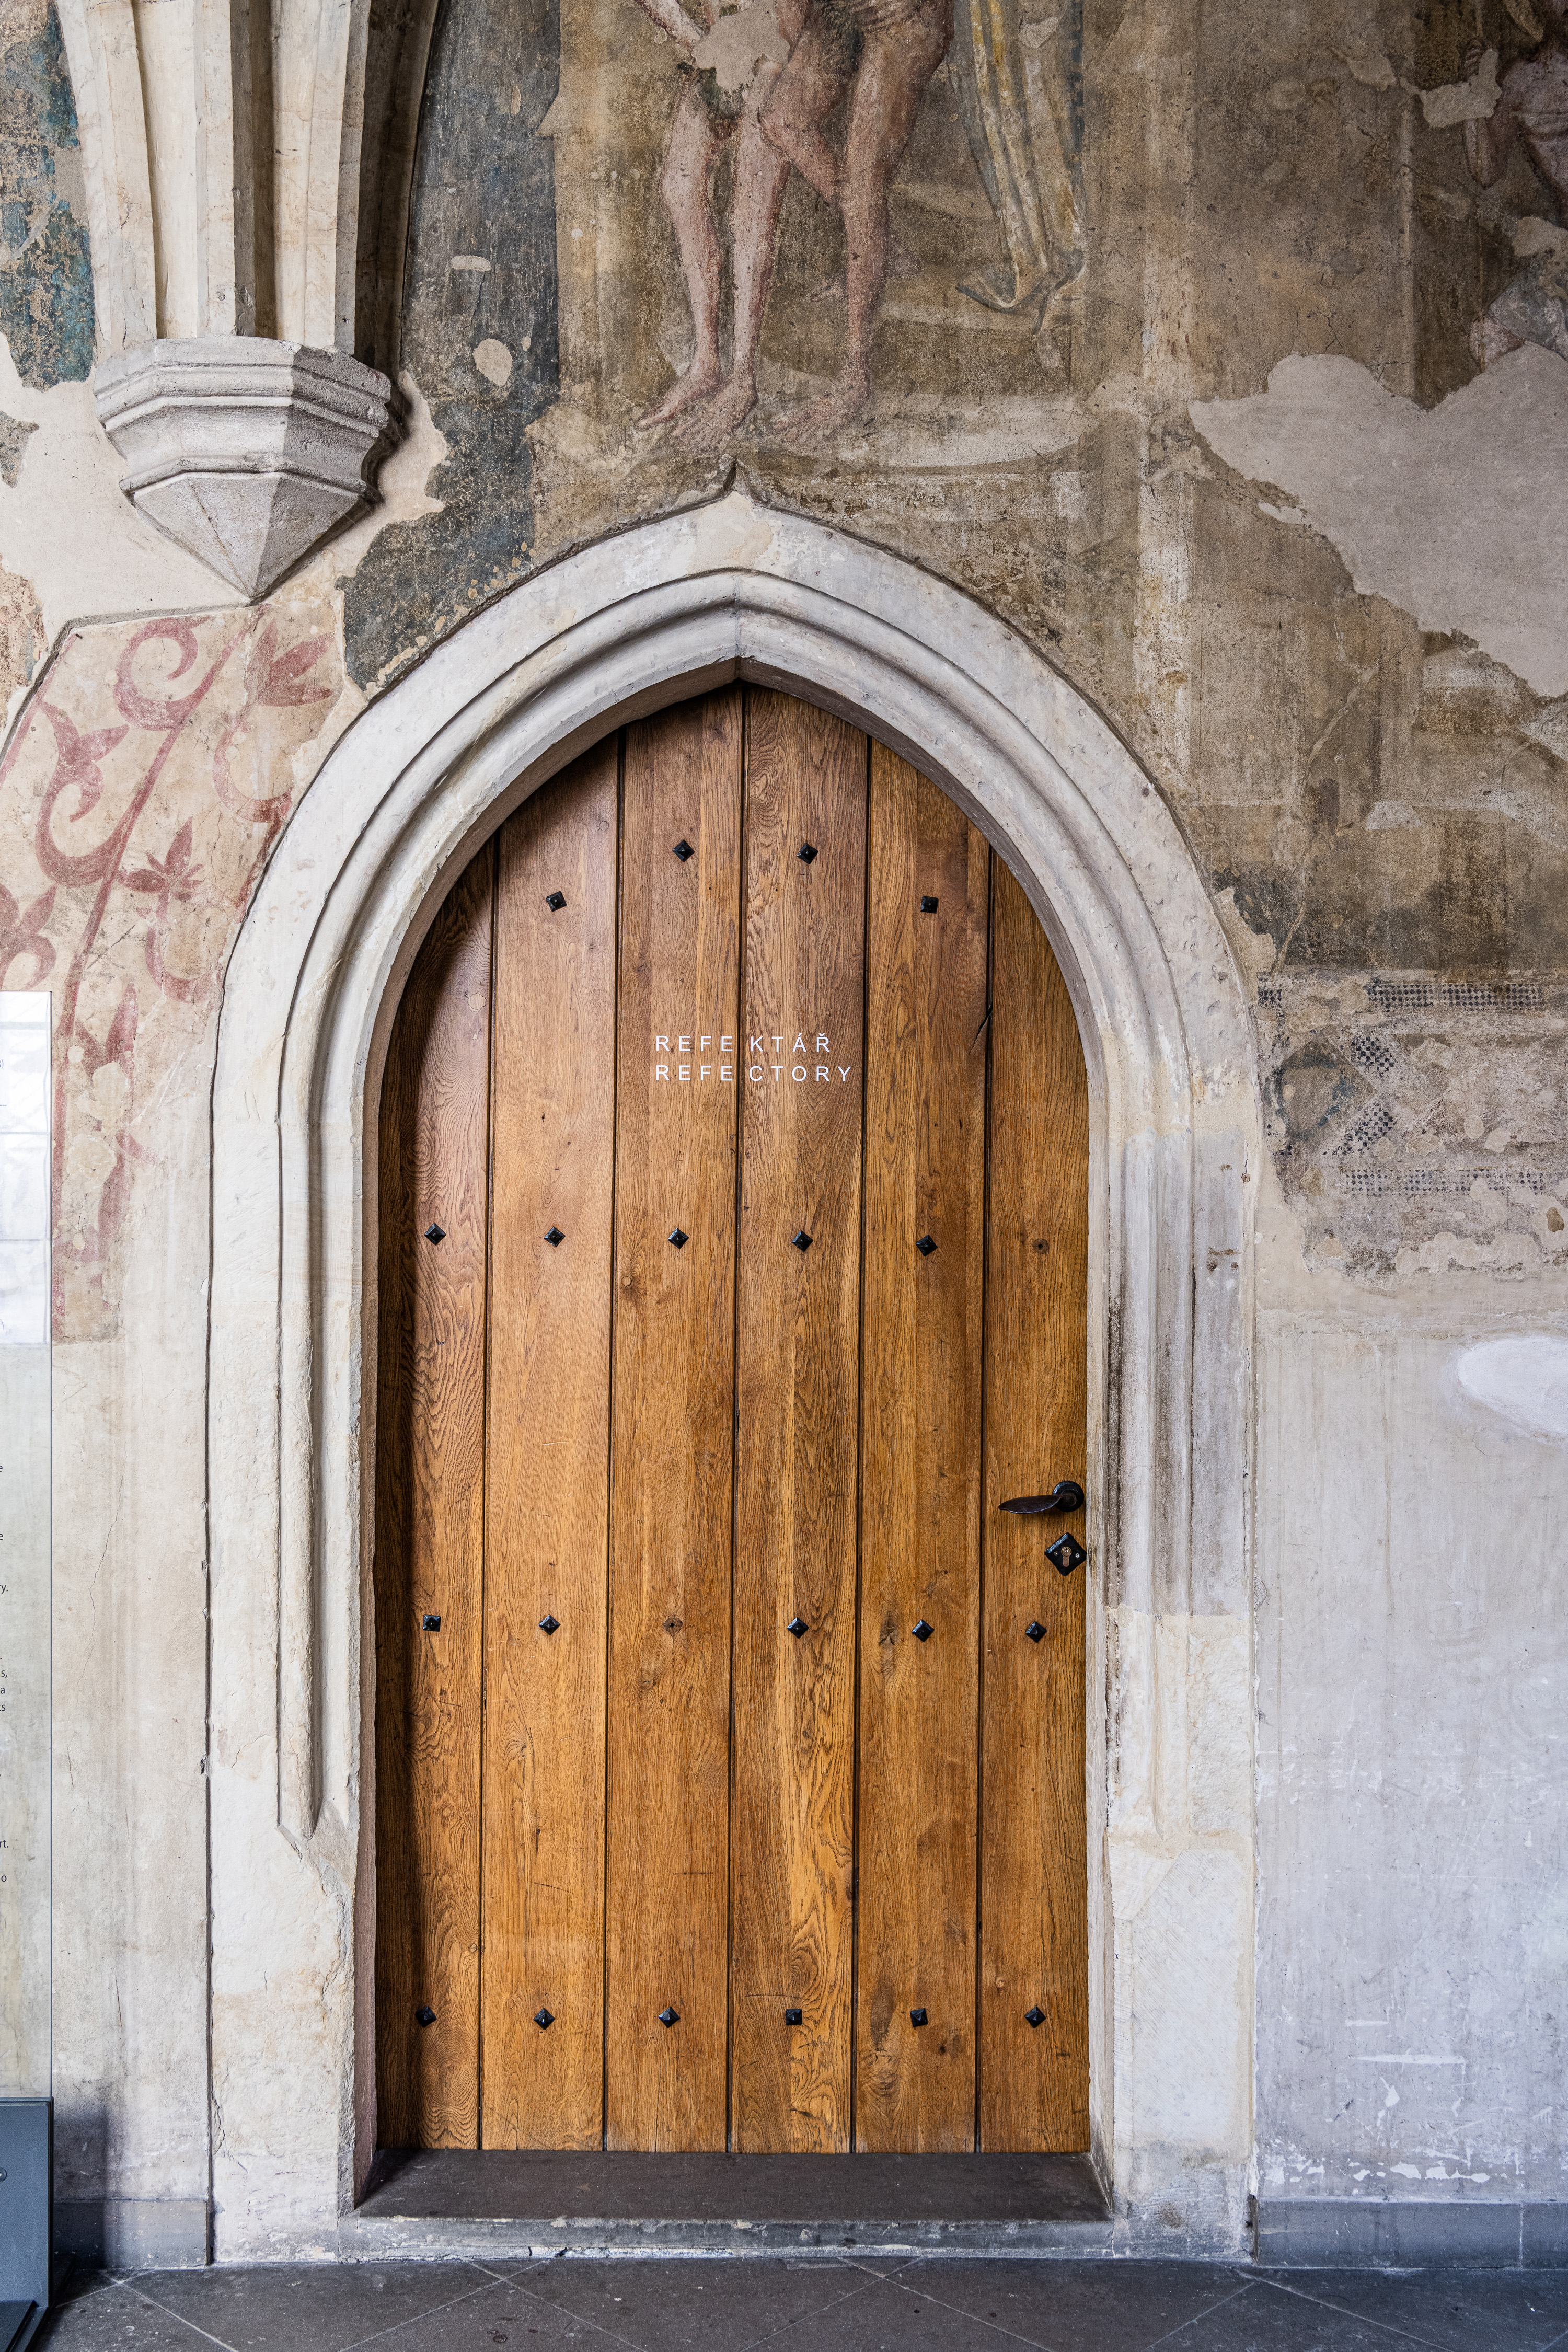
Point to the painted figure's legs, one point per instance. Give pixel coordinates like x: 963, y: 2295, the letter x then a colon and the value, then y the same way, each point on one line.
x: 805, y: 95
x: 762, y: 176
x: 896, y: 64
x: 684, y: 186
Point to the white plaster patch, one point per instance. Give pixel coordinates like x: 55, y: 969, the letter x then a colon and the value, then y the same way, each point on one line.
x: 740, y: 41
x: 68, y: 527
x: 493, y: 361
x: 1522, y: 1379
x: 1474, y: 100
x: 1457, y: 514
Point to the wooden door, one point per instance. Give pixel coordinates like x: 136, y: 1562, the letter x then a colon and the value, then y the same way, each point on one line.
x: 729, y: 1735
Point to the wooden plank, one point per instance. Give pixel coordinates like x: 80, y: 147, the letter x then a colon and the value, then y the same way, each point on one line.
x: 921, y: 1467
x: 429, y: 1517
x: 797, y: 1380
x: 547, y: 1533
x: 1034, y: 2082
x: 672, y: 1499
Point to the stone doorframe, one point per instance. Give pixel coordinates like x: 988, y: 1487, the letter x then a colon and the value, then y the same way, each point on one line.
x: 730, y: 590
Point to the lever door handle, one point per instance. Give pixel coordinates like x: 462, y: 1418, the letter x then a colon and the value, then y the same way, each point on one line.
x: 1066, y: 1494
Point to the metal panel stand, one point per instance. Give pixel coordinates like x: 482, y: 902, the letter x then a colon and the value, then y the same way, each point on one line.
x: 26, y: 2218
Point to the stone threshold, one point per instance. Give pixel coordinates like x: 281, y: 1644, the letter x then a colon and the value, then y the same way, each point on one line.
x: 515, y: 2204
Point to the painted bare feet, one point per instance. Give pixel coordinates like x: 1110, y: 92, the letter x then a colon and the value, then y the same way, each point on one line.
x: 697, y: 384
x: 817, y: 420
x: 718, y: 423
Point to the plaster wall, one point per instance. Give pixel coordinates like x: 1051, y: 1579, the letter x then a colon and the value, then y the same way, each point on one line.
x: 1246, y: 483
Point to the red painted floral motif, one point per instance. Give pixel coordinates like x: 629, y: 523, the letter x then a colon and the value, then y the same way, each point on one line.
x: 142, y: 909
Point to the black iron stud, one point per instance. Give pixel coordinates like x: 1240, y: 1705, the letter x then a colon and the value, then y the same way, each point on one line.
x: 1035, y: 1632
x: 797, y: 1626
x: 922, y: 1631
x: 794, y: 2017
x: 555, y: 1236
x: 917, y: 2017
x: 424, y: 2017
x: 927, y: 905
x: 679, y: 1239
x: 669, y: 2017
x: 684, y: 850
x: 803, y: 1241
x: 1066, y: 1554
x: 429, y: 1624
x: 550, y: 1624
x: 805, y: 853
x: 555, y: 901
x: 436, y: 1233
x: 543, y: 2019
x: 925, y: 1245
x: 1036, y: 2017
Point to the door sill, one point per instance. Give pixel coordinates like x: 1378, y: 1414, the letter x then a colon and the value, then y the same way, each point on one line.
x: 515, y: 2204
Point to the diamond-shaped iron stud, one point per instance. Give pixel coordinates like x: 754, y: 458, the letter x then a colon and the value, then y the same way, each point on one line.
x: 803, y: 1241
x: 927, y: 905
x: 436, y: 1234
x: 922, y: 1631
x: 925, y: 1245
x: 1036, y: 2017
x: 805, y: 853
x: 550, y: 1624
x: 543, y: 2019
x: 669, y: 2017
x: 797, y: 1626
x: 429, y: 1624
x: 1034, y: 1630
x: 1066, y: 1554
x: 684, y: 850
x: 794, y: 2017
x: 679, y: 1238
x: 555, y: 901
x: 555, y: 1236
x: 917, y: 2017
x: 426, y: 2016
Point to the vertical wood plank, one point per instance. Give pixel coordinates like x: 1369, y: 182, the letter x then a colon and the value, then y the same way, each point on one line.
x: 553, y: 1130
x: 1034, y: 2081
x: 429, y: 1517
x: 672, y: 1507
x: 921, y: 1467
x: 797, y: 1380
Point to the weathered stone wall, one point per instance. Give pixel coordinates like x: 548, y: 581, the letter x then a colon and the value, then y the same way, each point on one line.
x: 1234, y: 465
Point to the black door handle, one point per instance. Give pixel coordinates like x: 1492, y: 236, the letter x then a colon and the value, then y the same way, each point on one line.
x: 1066, y: 1494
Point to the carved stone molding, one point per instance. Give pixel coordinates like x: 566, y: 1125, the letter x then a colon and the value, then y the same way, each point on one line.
x: 244, y: 452
x: 404, y: 799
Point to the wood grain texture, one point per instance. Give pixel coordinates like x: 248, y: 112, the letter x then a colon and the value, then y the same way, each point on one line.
x: 672, y: 1506
x: 797, y: 1380
x: 430, y: 1518
x: 921, y: 1465
x: 547, y: 1517
x: 1034, y: 1948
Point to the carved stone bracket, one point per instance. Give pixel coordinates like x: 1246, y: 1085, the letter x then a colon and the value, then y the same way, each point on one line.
x: 242, y: 450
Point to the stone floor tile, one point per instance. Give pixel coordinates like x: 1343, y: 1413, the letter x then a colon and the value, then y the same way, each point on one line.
x: 1266, y: 2317
x: 887, y: 2317
x: 1104, y: 2306
x: 669, y: 2305
x: 1503, y: 2311
x: 502, y: 2313
x: 307, y: 2306
x: 115, y: 2318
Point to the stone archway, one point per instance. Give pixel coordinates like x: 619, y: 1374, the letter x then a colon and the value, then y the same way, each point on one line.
x: 732, y: 590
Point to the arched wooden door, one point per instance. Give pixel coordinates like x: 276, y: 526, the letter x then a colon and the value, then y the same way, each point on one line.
x: 733, y: 1224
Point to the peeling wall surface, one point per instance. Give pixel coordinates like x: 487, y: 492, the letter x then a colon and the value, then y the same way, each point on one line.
x: 1220, y: 357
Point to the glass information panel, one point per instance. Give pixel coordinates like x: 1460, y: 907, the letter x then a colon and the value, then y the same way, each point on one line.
x: 25, y: 1023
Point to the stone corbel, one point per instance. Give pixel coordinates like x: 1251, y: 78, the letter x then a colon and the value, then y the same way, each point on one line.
x: 244, y: 451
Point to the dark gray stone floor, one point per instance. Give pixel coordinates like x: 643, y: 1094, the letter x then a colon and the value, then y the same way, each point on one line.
x: 926, y: 2304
